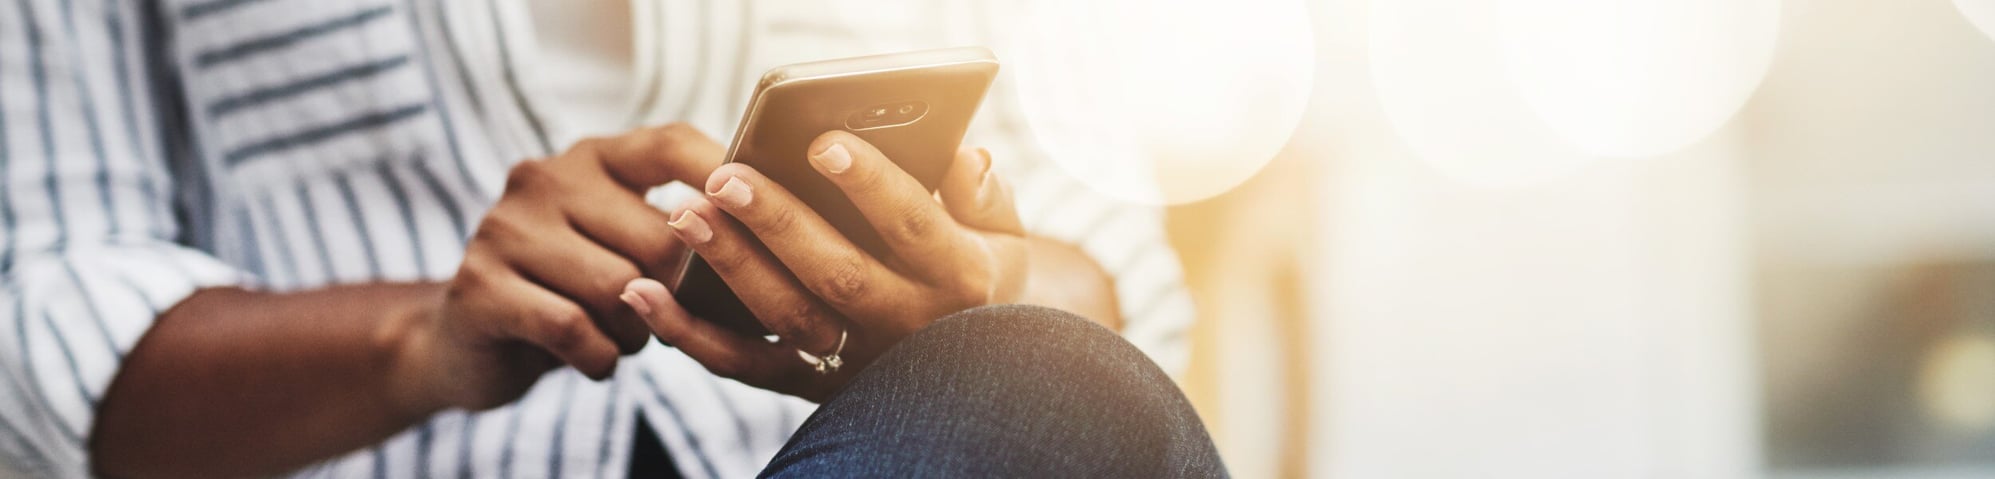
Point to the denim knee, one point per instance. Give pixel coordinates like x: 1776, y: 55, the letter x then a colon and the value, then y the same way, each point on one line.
x: 1026, y: 337
x: 1008, y: 390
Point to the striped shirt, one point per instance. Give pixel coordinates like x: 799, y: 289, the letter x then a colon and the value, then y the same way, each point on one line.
x: 152, y: 148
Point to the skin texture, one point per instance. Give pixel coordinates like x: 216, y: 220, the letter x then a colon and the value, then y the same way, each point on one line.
x: 223, y: 382
x: 968, y: 249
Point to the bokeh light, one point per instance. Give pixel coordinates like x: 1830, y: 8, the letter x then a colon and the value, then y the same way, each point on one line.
x: 1511, y: 92
x: 1957, y: 381
x: 1979, y: 12
x: 1164, y: 102
x: 1437, y: 67
x: 1636, y: 78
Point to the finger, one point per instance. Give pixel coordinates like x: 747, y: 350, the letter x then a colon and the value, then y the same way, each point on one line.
x: 906, y: 215
x: 824, y: 260
x: 648, y: 157
x: 537, y: 316
x: 778, y: 301
x: 747, y: 359
x: 563, y: 261
x: 628, y: 226
x: 579, y: 185
x: 975, y: 196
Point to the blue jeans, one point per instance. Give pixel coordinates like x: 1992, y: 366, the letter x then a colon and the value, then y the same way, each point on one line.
x: 1011, y: 391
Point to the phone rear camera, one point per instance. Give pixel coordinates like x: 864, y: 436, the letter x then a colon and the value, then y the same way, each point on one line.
x: 887, y: 115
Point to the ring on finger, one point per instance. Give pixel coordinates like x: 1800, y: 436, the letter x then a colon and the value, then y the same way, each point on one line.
x: 828, y: 363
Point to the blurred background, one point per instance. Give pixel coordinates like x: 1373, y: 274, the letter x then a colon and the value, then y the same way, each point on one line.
x: 1582, y: 238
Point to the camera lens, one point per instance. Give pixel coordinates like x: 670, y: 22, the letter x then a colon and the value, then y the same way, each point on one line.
x: 886, y: 115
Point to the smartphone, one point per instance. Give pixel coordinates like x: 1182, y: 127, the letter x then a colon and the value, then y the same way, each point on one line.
x: 913, y: 106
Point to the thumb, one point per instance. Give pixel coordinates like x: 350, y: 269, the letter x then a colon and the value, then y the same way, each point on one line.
x: 975, y: 196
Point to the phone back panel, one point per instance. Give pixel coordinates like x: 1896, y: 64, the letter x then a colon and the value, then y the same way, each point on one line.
x: 793, y: 105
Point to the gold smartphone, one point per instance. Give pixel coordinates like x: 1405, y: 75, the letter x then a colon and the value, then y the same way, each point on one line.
x: 913, y: 106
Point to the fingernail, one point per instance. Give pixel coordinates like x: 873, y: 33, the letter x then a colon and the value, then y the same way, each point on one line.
x: 985, y: 155
x: 691, y: 227
x: 834, y: 158
x: 734, y: 193
x: 636, y: 302
x: 984, y: 179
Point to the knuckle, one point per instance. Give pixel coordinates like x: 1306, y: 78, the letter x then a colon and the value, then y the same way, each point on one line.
x: 676, y: 132
x: 473, y: 275
x: 723, y: 259
x: 528, y: 175
x: 843, y: 284
x: 462, y: 290
x: 642, y: 142
x: 653, y: 141
x: 563, y: 328
x: 723, y: 264
x: 593, y: 145
x: 501, y: 226
x: 915, y: 222
x: 802, y: 315
x: 779, y: 221
x: 812, y: 328
x: 679, y: 140
x: 612, y: 279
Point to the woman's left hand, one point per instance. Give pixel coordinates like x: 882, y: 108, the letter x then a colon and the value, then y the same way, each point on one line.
x: 824, y: 296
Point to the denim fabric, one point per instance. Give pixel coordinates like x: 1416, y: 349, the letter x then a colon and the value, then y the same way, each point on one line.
x: 1005, y: 391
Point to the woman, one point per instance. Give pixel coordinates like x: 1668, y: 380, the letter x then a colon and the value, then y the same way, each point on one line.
x: 249, y: 237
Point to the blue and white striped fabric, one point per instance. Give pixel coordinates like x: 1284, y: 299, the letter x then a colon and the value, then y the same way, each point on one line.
x: 149, y: 149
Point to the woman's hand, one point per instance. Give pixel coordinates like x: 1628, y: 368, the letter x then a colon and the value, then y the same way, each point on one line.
x: 540, y: 279
x: 816, y: 289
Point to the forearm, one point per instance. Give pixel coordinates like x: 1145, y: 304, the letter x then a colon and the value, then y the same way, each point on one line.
x: 1060, y: 276
x: 233, y: 382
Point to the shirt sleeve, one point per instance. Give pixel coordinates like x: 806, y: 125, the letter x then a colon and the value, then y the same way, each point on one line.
x: 87, y: 256
x: 1126, y: 240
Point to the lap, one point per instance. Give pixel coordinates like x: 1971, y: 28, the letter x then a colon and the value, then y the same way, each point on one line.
x: 1005, y: 391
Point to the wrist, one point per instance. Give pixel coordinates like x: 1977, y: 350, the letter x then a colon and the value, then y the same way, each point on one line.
x: 412, y: 343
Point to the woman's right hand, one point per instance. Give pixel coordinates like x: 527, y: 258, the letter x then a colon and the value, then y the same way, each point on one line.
x: 540, y: 279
